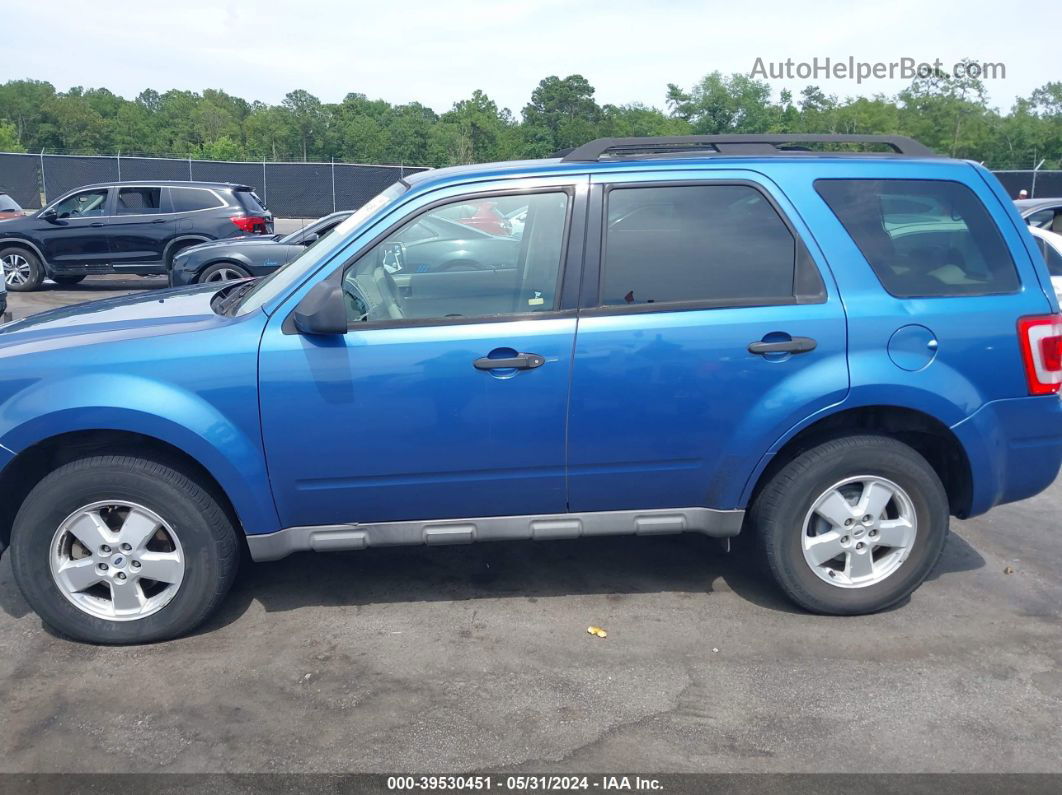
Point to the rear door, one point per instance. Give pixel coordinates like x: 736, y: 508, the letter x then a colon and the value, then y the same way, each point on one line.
x: 140, y: 227
x: 708, y: 328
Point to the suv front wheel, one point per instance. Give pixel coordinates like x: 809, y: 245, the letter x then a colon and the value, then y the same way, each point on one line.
x: 852, y: 526
x: 23, y: 271
x: 122, y: 549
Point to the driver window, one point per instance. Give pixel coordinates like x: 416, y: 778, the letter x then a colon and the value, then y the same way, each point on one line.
x: 438, y: 265
x: 85, y: 203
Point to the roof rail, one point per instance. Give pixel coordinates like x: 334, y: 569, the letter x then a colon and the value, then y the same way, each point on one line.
x: 779, y: 144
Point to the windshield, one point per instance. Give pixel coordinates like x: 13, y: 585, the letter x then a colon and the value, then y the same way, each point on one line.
x: 269, y: 287
x: 7, y: 204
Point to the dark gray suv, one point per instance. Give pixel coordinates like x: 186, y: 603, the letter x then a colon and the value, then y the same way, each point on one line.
x: 124, y: 227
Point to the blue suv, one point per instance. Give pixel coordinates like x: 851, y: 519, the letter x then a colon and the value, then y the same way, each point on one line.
x: 832, y: 350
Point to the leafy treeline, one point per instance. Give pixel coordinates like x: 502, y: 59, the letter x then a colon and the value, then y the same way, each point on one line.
x: 949, y: 114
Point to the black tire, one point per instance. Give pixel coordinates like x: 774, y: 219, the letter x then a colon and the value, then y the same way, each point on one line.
x: 68, y: 281
x: 34, y: 267
x: 211, y: 272
x: 206, y: 535
x: 778, y: 514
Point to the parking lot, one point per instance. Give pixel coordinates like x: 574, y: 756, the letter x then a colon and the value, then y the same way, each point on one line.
x: 477, y: 658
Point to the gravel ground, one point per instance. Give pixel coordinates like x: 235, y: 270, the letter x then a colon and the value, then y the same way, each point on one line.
x: 477, y: 658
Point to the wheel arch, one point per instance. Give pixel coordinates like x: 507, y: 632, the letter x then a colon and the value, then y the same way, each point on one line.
x: 182, y: 241
x: 926, y: 434
x: 225, y: 448
x: 32, y: 464
x: 24, y: 243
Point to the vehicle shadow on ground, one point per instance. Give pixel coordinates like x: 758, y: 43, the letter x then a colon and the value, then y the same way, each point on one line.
x: 523, y: 569
x: 516, y: 569
x: 105, y: 286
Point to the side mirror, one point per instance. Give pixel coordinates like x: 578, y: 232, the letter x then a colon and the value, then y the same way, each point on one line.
x: 323, y: 311
x: 49, y: 214
x: 310, y: 239
x: 392, y: 257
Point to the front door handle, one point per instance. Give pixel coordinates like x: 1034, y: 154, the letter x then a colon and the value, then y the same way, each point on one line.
x: 522, y: 361
x: 794, y: 345
x: 96, y: 224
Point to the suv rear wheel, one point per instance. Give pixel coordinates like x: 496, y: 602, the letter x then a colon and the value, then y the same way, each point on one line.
x: 23, y: 271
x: 121, y: 549
x: 852, y: 526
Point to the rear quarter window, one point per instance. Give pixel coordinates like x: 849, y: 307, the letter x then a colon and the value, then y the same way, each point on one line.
x: 923, y: 238
x: 190, y: 199
x: 250, y: 201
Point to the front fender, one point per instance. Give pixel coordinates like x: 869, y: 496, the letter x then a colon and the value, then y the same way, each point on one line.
x: 163, y: 411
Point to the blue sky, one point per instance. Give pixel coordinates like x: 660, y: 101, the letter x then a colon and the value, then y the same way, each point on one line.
x: 438, y: 52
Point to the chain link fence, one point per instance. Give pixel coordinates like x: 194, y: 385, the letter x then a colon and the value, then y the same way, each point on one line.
x: 293, y: 190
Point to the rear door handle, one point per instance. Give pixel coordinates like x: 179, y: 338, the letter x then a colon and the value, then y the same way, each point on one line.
x: 96, y: 224
x: 159, y: 221
x: 522, y: 361
x: 795, y: 345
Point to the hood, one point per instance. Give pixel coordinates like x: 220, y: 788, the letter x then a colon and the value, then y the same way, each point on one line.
x: 242, y: 240
x: 126, y: 317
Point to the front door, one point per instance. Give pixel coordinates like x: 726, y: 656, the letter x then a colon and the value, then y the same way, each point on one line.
x: 447, y: 396
x: 707, y: 333
x: 77, y: 234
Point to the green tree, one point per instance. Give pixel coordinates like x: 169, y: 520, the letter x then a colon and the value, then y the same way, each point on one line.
x: 9, y: 138
x: 947, y: 113
x: 23, y: 102
x: 307, y: 117
x: 561, y: 114
x: 483, y: 132
x: 720, y: 104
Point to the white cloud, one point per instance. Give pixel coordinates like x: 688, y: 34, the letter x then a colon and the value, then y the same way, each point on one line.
x: 439, y: 52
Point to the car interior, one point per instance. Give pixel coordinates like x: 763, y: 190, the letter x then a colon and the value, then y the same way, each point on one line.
x: 379, y: 286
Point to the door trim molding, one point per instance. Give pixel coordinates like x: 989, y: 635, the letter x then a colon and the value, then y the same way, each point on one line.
x: 536, y: 527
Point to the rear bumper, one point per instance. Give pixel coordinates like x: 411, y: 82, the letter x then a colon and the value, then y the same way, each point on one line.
x: 1014, y: 447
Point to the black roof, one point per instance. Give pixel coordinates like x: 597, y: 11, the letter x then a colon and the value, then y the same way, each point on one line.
x: 737, y: 144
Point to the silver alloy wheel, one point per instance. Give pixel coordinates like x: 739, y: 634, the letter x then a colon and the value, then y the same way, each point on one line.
x: 224, y: 275
x: 16, y: 269
x: 859, y: 531
x: 117, y: 560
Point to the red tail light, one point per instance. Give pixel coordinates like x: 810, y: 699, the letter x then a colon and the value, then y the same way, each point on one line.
x: 254, y: 224
x: 1040, y: 338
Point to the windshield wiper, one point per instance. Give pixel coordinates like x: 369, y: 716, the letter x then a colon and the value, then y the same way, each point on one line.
x: 232, y: 298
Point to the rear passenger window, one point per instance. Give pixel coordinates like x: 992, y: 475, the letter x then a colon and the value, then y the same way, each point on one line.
x: 923, y: 238
x: 696, y: 243
x: 139, y: 201
x: 189, y: 199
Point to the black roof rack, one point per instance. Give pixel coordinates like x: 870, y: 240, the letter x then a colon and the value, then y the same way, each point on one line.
x: 780, y: 144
